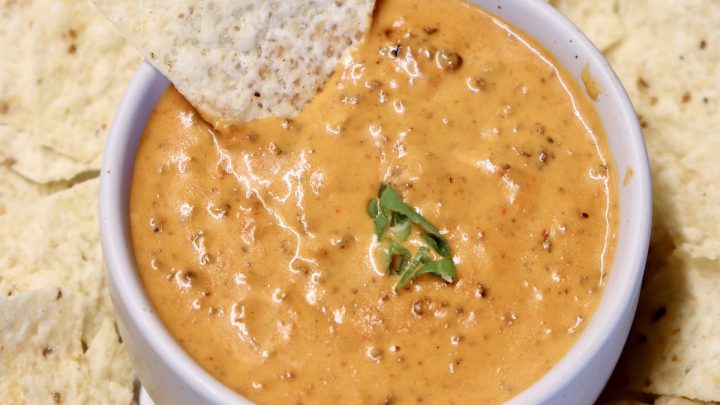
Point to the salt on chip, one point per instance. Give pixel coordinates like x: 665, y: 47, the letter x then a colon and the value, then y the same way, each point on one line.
x: 245, y: 59
x: 43, y: 357
x: 676, y: 335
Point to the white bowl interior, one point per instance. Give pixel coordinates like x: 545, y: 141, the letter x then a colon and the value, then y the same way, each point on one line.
x: 577, y: 378
x: 183, y: 376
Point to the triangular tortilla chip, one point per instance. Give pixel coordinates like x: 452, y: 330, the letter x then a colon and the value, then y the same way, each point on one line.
x: 676, y: 335
x: 44, y: 359
x: 241, y: 60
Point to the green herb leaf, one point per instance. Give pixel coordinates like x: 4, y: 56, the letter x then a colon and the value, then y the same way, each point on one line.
x: 391, y: 201
x: 421, y: 257
x: 395, y: 249
x: 443, y: 268
x: 433, y: 243
x: 379, y: 217
x: 401, y: 229
x: 390, y: 211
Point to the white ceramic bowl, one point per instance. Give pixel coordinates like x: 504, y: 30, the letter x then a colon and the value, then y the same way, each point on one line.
x: 172, y: 377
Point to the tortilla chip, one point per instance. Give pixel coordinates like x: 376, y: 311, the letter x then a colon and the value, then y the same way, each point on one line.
x: 599, y: 20
x: 40, y: 165
x: 15, y: 103
x: 16, y: 191
x: 43, y: 356
x: 58, y: 95
x: 55, y: 242
x: 105, y: 359
x: 674, y: 85
x: 669, y: 61
x: 676, y: 335
x: 82, y: 69
x: 241, y: 60
x: 665, y: 400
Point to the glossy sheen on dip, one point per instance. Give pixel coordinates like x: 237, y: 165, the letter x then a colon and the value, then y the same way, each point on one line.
x: 255, y: 247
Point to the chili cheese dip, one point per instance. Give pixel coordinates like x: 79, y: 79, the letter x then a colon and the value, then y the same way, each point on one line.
x: 266, y: 251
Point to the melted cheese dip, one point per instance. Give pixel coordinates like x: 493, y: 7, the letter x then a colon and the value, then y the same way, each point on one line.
x: 255, y: 247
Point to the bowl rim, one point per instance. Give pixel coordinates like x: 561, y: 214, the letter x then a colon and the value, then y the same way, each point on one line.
x: 128, y: 292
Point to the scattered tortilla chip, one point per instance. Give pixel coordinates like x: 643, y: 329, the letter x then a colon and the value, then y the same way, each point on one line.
x: 598, y: 19
x: 16, y: 191
x: 55, y: 242
x: 676, y: 335
x: 671, y: 72
x: 241, y: 60
x: 15, y: 82
x: 40, y: 165
x: 83, y: 68
x: 69, y: 69
x: 669, y: 61
x: 44, y: 358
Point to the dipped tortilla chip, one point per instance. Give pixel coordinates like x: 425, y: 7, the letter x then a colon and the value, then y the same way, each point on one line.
x: 244, y: 59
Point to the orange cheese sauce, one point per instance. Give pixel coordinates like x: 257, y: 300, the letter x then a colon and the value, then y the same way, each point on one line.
x: 255, y: 247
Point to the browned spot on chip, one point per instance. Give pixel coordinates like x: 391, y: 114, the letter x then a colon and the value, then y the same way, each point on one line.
x: 703, y: 44
x: 658, y: 314
x: 9, y: 162
x: 642, y: 85
x: 71, y: 50
x: 56, y: 397
x: 59, y: 294
x: 47, y: 351
x: 686, y: 97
